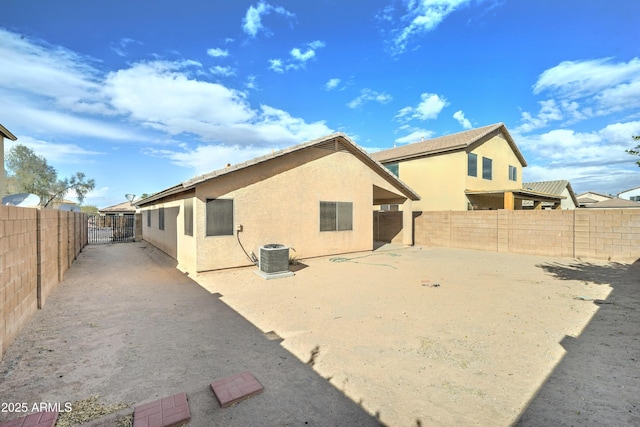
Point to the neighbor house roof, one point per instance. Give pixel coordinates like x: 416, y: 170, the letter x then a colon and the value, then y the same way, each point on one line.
x: 336, y: 141
x: 124, y: 207
x: 593, y: 192
x: 552, y: 187
x: 454, y: 142
x: 630, y: 189
x: 613, y: 202
x: 5, y: 133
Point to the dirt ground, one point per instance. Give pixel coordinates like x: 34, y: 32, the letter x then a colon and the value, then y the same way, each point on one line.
x: 402, y: 336
x: 448, y: 337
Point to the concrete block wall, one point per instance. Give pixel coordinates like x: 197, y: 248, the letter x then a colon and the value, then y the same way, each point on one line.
x: 606, y: 234
x: 34, y: 246
x: 18, y: 271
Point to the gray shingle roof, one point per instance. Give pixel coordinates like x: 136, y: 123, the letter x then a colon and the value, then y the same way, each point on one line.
x: 443, y: 144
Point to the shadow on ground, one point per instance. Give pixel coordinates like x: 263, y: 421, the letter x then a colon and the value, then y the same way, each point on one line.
x: 127, y: 326
x: 598, y: 380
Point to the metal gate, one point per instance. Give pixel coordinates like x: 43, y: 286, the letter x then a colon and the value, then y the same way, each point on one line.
x: 110, y: 229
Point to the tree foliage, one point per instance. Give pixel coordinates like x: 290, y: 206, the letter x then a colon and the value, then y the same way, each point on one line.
x: 636, y: 150
x: 32, y: 174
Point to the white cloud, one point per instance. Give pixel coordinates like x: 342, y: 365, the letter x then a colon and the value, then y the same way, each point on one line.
x: 276, y: 65
x: 367, y: 95
x: 298, y: 58
x: 55, y: 152
x: 161, y: 95
x: 581, y: 90
x: 420, y: 16
x: 416, y: 136
x: 593, y: 161
x: 51, y: 73
x: 217, y: 52
x: 222, y: 71
x: 429, y: 108
x: 332, y: 84
x: 120, y: 48
x: 464, y: 122
x: 206, y: 158
x: 252, y: 22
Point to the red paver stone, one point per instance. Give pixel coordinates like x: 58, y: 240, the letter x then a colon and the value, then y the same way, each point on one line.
x: 171, y: 411
x: 233, y: 389
x: 39, y: 419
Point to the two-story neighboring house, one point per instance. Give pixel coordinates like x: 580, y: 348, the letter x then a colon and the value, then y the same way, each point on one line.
x: 475, y: 169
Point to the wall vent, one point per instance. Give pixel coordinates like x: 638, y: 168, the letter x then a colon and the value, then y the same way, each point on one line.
x: 274, y: 258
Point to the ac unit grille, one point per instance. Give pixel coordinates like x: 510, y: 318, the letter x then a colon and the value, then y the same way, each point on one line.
x: 274, y: 258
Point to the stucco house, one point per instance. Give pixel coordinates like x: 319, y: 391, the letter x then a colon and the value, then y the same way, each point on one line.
x: 476, y: 169
x: 590, y: 197
x: 632, y: 194
x: 4, y: 133
x: 559, y: 188
x: 316, y: 197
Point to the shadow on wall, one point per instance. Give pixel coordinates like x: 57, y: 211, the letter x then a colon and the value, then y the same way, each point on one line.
x: 598, y: 380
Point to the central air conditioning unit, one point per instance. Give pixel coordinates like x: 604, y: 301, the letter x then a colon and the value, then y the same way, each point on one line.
x: 274, y: 258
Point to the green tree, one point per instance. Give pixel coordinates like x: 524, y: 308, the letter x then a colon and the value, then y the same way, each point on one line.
x: 636, y: 150
x: 32, y: 174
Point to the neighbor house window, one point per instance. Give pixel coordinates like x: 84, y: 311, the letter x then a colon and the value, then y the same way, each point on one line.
x: 393, y: 168
x: 472, y: 164
x: 513, y: 173
x: 161, y: 218
x: 149, y: 218
x: 188, y: 217
x: 487, y: 165
x: 220, y: 217
x: 635, y: 198
x: 336, y: 216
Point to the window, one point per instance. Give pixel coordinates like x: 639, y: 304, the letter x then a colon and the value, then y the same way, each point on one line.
x: 635, y: 198
x: 336, y: 216
x: 188, y: 217
x: 161, y: 218
x: 513, y: 173
x: 148, y: 218
x: 393, y: 168
x: 472, y: 164
x: 220, y: 217
x: 487, y: 165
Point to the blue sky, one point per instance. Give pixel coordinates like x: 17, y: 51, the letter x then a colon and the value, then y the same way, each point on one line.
x: 141, y: 95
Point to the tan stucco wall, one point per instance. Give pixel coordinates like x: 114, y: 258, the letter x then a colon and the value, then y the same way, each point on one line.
x: 285, y: 208
x: 439, y: 180
x: 276, y: 201
x: 498, y: 150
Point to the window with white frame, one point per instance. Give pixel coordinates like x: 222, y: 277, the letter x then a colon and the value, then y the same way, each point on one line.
x: 513, y: 173
x: 336, y: 216
x: 219, y: 217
